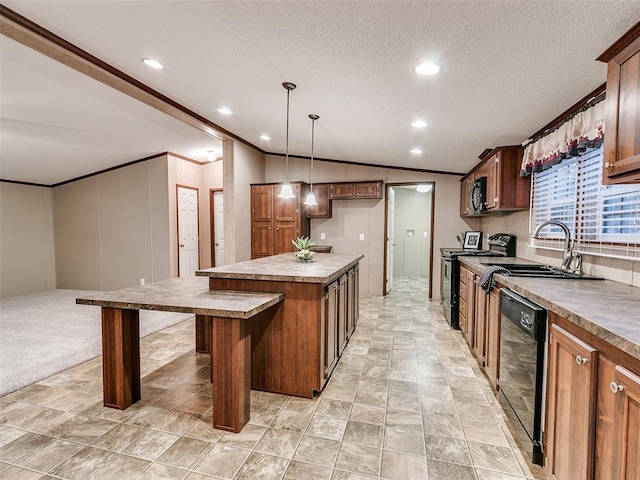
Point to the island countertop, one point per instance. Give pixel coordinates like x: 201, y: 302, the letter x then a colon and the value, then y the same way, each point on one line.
x: 323, y: 269
x: 608, y: 309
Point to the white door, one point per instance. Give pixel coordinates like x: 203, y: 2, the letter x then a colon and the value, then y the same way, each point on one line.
x: 390, y: 216
x: 187, y: 231
x: 218, y: 228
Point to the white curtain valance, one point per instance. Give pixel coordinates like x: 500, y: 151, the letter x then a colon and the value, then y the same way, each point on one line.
x: 584, y: 130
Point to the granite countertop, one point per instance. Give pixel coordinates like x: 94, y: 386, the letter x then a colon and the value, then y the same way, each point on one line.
x: 608, y: 309
x: 325, y: 268
x: 185, y: 295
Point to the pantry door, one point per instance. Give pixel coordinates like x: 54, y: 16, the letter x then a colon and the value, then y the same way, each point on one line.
x: 188, y: 245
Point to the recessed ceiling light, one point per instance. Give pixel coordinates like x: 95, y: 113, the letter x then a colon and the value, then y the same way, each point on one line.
x: 224, y: 110
x: 428, y: 68
x: 212, y: 155
x: 152, y: 63
x: 419, y: 124
x: 423, y: 188
x: 265, y: 137
x: 417, y: 151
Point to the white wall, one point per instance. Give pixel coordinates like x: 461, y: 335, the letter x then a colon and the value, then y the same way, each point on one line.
x: 624, y: 271
x: 112, y: 229
x: 242, y: 166
x: 27, y: 261
x: 352, y: 217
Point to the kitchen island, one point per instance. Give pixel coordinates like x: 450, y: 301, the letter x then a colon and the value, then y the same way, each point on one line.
x: 295, y: 348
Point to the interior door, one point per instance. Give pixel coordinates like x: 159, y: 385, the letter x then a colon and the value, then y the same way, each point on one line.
x: 218, y: 228
x: 187, y: 231
x: 390, y: 244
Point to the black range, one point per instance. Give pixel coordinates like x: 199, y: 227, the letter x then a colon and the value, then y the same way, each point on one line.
x: 500, y: 245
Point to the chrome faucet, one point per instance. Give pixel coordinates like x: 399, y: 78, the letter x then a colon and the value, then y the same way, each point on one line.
x: 568, y: 252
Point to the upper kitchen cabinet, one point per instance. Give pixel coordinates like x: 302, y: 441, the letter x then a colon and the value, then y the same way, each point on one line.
x: 323, y: 207
x: 504, y: 190
x: 622, y: 122
x: 356, y: 190
x: 276, y: 221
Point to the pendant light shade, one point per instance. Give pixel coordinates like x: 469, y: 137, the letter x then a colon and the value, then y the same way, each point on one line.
x: 311, y: 198
x: 286, y: 191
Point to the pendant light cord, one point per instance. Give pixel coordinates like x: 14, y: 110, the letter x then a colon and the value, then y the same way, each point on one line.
x: 313, y: 126
x: 286, y: 168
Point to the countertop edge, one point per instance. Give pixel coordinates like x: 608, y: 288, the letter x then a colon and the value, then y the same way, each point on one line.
x: 592, y: 326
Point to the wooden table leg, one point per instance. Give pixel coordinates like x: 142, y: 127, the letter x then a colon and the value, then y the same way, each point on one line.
x: 120, y: 357
x: 203, y: 334
x: 231, y: 367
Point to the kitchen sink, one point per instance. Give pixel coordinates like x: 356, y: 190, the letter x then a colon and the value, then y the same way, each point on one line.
x: 539, y: 270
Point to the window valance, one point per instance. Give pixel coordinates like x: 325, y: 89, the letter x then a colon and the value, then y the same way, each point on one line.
x: 581, y: 131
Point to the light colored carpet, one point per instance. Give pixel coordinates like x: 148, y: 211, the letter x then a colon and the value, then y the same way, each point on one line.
x: 46, y: 332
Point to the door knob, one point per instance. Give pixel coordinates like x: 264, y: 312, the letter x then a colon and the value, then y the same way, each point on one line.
x: 181, y: 245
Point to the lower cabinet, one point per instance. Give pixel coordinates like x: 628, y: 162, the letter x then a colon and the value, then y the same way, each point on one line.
x: 492, y: 349
x: 467, y: 305
x: 593, y: 407
x: 571, y: 386
x: 618, y: 423
x: 340, y: 311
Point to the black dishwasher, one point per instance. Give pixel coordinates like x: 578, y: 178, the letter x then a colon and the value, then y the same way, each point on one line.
x: 523, y: 326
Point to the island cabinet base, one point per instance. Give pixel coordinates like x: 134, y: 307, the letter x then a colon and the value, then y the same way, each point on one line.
x: 285, y: 341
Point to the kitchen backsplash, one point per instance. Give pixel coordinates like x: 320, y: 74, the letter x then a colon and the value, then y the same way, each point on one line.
x: 623, y: 271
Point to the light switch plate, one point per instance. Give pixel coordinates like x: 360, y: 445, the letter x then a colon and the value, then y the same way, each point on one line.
x: 362, y: 236
x: 322, y: 236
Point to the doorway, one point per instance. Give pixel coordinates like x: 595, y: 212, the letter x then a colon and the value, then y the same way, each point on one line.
x: 188, y: 242
x: 217, y: 227
x: 409, y: 236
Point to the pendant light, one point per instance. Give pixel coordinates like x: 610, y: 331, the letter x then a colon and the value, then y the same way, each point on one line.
x: 286, y: 191
x: 311, y: 198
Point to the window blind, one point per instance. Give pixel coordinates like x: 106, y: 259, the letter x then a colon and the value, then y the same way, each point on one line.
x: 603, y: 219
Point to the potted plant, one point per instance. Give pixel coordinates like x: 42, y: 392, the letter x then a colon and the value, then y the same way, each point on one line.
x: 303, y: 244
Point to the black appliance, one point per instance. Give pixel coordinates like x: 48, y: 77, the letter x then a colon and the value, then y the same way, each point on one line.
x: 523, y: 328
x: 500, y: 245
x: 478, y: 196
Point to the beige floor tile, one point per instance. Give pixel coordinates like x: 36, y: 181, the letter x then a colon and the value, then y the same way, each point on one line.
x: 316, y: 450
x: 291, y: 420
x: 306, y: 471
x: 83, y: 464
x: 222, y: 461
x: 151, y: 445
x: 50, y: 455
x: 404, y: 440
x: 280, y: 443
x: 359, y: 459
x: 264, y: 467
x: 492, y: 457
x: 158, y: 471
x: 121, y: 467
x: 327, y: 427
x: 366, y: 434
x: 398, y: 465
x: 185, y: 452
x: 248, y: 438
x: 17, y: 473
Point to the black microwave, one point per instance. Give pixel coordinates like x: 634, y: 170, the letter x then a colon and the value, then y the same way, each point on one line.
x: 478, y: 196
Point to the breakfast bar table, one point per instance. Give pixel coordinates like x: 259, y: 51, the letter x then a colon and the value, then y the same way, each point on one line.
x: 272, y: 324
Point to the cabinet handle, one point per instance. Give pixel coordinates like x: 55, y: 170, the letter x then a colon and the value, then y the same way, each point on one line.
x: 581, y: 360
x: 607, y: 165
x: 615, y: 388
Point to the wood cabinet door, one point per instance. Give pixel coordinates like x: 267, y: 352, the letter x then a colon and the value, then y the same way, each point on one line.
x: 492, y: 352
x: 493, y: 182
x: 351, y: 302
x: 287, y: 209
x: 261, y: 240
x: 479, y: 335
x: 342, y: 190
x: 323, y: 208
x: 622, y: 141
x: 261, y: 203
x: 331, y: 332
x: 367, y: 189
x: 465, y: 192
x: 571, y: 395
x: 284, y: 233
x: 342, y: 313
x: 618, y: 423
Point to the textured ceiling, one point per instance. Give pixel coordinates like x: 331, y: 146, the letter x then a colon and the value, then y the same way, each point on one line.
x: 509, y: 68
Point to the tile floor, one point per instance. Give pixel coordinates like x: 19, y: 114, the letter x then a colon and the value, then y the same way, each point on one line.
x: 406, y: 401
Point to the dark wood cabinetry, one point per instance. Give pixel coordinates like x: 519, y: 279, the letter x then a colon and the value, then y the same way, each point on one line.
x: 339, y: 318
x: 276, y: 221
x: 323, y: 207
x: 356, y: 190
x: 505, y: 189
x: 622, y: 137
x: 571, y: 386
x: 492, y: 349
